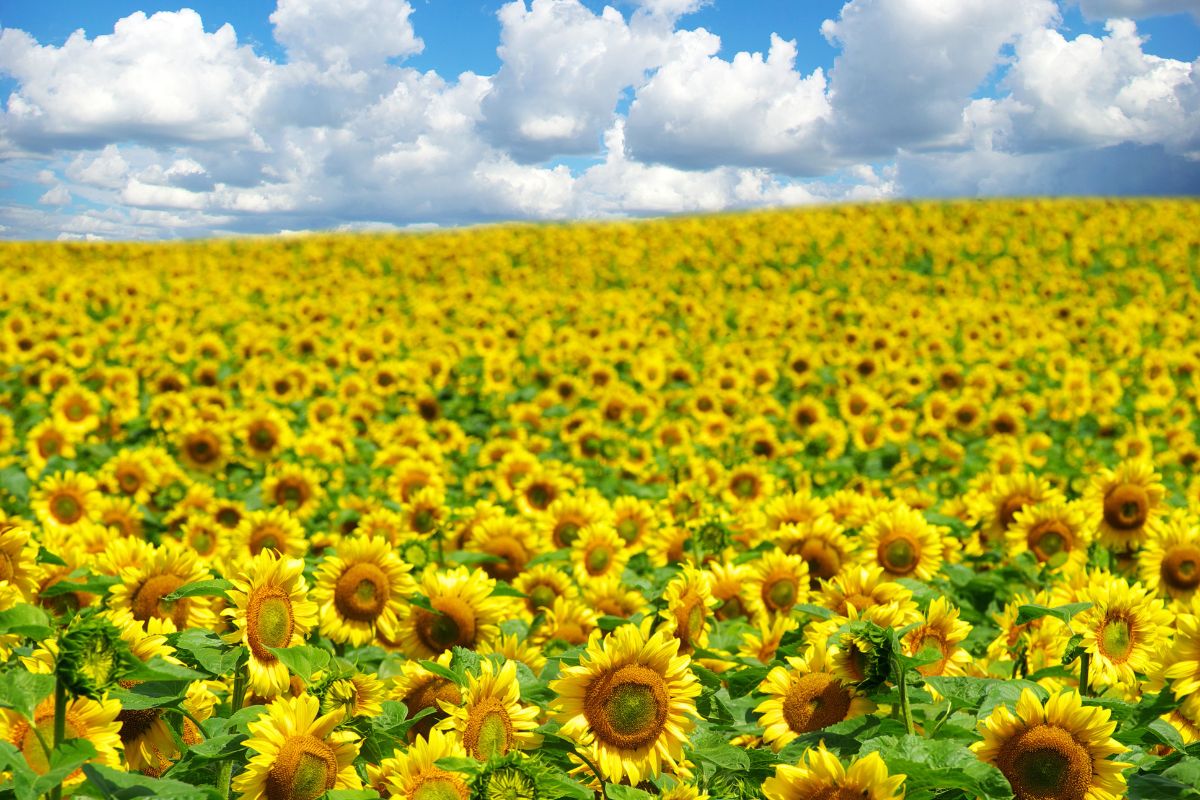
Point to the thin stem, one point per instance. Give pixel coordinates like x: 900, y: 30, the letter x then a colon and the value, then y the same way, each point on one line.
x: 60, y: 725
x: 905, y: 710
x: 188, y: 715
x: 596, y: 772
x: 1085, y: 684
x: 225, y: 777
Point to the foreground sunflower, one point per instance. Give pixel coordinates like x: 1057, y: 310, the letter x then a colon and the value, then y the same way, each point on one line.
x: 689, y: 608
x: 361, y: 589
x: 821, y: 776
x: 414, y: 774
x: 903, y: 544
x: 1170, y: 558
x: 805, y: 698
x: 492, y: 721
x: 297, y: 755
x: 1054, y: 751
x: 270, y: 609
x: 1122, y: 630
x: 465, y: 613
x: 91, y: 720
x: 629, y: 703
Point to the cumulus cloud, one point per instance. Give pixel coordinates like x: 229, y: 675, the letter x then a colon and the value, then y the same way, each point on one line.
x: 153, y: 78
x: 700, y: 111
x: 355, y: 33
x: 57, y: 196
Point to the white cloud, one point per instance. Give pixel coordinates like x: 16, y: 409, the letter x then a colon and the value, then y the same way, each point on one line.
x: 107, y: 170
x: 564, y: 69
x: 908, y: 67
x: 153, y: 78
x: 57, y: 196
x: 1104, y: 9
x: 354, y: 33
x: 699, y: 111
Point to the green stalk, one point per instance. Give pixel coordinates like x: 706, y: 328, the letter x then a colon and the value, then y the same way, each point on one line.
x: 225, y: 777
x: 60, y: 725
x: 596, y: 772
x: 905, y: 710
x: 1085, y: 684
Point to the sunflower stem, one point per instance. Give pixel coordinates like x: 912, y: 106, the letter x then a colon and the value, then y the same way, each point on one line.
x: 60, y: 726
x: 225, y: 777
x: 1085, y: 664
x: 905, y: 709
x: 596, y: 772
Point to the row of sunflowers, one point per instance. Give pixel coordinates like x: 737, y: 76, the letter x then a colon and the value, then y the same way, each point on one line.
x: 857, y: 502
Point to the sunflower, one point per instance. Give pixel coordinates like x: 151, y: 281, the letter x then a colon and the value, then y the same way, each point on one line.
x: 297, y: 755
x: 294, y: 488
x: 419, y: 689
x: 775, y: 584
x: 805, y: 698
x: 358, y: 695
x: 203, y: 446
x: 569, y: 514
x: 819, y: 774
x: 517, y: 648
x: 509, y: 539
x: 270, y: 609
x: 414, y: 775
x: 65, y: 501
x: 629, y: 703
x: 273, y: 529
x: 1186, y: 719
x: 1182, y: 663
x: 940, y: 635
x: 121, y: 514
x: 689, y: 606
x: 726, y: 582
x: 265, y: 432
x: 542, y: 584
x: 1122, y: 630
x: 1055, y: 750
x: 903, y: 544
x: 491, y: 720
x: 1123, y: 501
x: 612, y: 597
x: 1170, y: 558
x: 361, y: 589
x: 597, y: 553
x: 568, y: 620
x: 997, y: 507
x: 144, y: 588
x: 859, y: 589
x: 145, y: 737
x: 206, y: 537
x: 1054, y: 531
x: 465, y: 613
x: 91, y: 720
x: 633, y: 519
x: 17, y: 559
x: 762, y: 644
x: 820, y: 543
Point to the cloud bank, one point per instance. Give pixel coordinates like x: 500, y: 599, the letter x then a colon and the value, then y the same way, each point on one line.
x: 162, y: 129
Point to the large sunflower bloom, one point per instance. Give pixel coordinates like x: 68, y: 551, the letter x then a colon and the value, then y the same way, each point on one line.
x: 490, y: 720
x: 296, y: 755
x: 1056, y: 751
x: 465, y: 613
x: 270, y: 609
x: 1170, y: 558
x: 1122, y: 630
x: 629, y: 703
x: 414, y: 774
x: 145, y: 585
x: 903, y: 544
x: 1123, y: 501
x: 95, y: 721
x: 361, y: 589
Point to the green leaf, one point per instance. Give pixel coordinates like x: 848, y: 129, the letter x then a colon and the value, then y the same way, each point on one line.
x: 216, y: 587
x: 302, y: 660
x: 502, y: 589
x: 64, y: 759
x: 351, y: 794
x: 158, y: 669
x: 616, y: 791
x: 716, y: 749
x: 744, y: 681
x: 421, y: 601
x: 1074, y: 649
x: 208, y: 651
x: 92, y: 584
x: 935, y: 765
x: 610, y: 623
x: 820, y: 612
x: 963, y: 693
x: 21, y: 690
x: 25, y: 620
x: 459, y: 764
x: 223, y: 746
x: 439, y: 670
x: 44, y: 556
x: 116, y: 784
x: 14, y: 481
x: 472, y: 558
x: 145, y: 696
x: 1028, y: 613
x: 1148, y: 786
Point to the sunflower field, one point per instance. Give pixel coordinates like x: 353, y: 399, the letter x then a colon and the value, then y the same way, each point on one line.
x: 859, y: 502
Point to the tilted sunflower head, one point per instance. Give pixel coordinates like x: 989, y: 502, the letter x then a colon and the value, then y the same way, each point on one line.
x: 514, y: 776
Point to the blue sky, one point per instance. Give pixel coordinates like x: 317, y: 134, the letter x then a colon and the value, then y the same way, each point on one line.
x: 594, y: 113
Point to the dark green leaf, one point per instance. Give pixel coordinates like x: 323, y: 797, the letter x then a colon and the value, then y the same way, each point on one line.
x: 302, y: 660
x: 25, y: 620
x: 21, y: 690
x: 216, y: 587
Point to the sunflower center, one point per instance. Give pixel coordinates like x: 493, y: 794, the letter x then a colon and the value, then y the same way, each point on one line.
x: 1181, y: 567
x: 816, y: 700
x: 147, y: 602
x: 202, y: 451
x: 780, y: 594
x: 269, y: 621
x: 542, y: 596
x: 1049, y: 539
x: 1046, y: 763
x: 1116, y: 639
x: 362, y: 592
x: 305, y: 769
x: 512, y: 554
x: 135, y: 724
x: 823, y: 560
x: 628, y: 530
x: 1126, y: 507
x: 566, y: 533
x: 598, y: 559
x: 66, y: 509
x: 489, y: 730
x: 290, y: 495
x: 627, y: 708
x: 899, y: 555
x: 455, y: 625
x: 1009, y: 509
x: 426, y: 695
x: 423, y: 521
